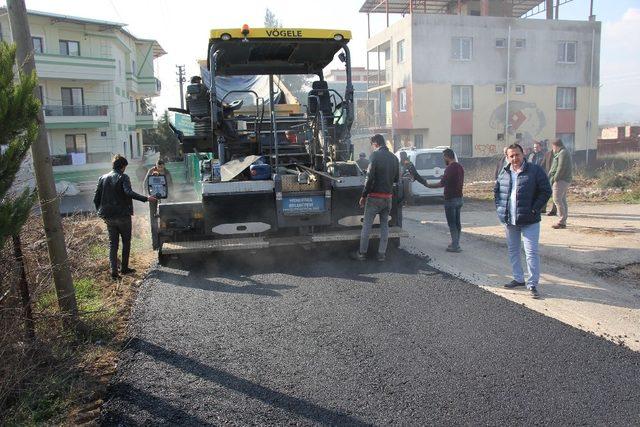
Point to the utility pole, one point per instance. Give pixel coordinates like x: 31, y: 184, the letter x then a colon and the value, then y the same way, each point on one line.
x: 49, y: 204
x: 181, y: 80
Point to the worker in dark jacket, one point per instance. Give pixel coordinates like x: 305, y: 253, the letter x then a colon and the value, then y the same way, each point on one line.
x: 114, y: 203
x: 520, y: 192
x: 408, y: 174
x: 377, y: 195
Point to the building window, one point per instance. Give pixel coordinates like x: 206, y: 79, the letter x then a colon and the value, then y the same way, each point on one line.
x: 72, y: 101
x: 500, y: 137
x: 568, y: 139
x: 400, y: 49
x: 518, y: 137
x: 567, y: 52
x: 521, y: 43
x: 501, y: 43
x: 461, y: 145
x: 500, y: 89
x: 103, y: 133
x: 133, y: 66
x: 70, y: 48
x: 76, y: 143
x: 462, y: 48
x: 418, y: 140
x: 566, y: 98
x: 519, y: 89
x: 402, y: 99
x: 462, y: 97
x: 38, y: 44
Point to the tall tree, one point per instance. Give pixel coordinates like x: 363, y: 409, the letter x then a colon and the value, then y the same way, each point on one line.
x: 18, y: 129
x: 298, y: 84
x: 270, y: 20
x: 162, y: 137
x: 43, y: 170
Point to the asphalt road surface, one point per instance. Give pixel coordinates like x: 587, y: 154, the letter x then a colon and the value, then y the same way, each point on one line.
x: 292, y: 339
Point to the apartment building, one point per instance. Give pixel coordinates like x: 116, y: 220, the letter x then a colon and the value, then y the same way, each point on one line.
x: 93, y: 79
x: 479, y: 75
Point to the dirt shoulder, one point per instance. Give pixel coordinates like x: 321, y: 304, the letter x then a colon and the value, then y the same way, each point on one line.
x: 61, y: 378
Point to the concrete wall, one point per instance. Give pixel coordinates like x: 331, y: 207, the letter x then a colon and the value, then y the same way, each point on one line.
x: 533, y: 114
x: 534, y: 64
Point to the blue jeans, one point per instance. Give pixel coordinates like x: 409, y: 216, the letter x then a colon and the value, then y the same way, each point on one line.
x: 452, y: 208
x: 529, y: 235
x: 375, y: 206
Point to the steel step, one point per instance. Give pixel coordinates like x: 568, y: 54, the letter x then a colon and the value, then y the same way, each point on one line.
x: 216, y: 245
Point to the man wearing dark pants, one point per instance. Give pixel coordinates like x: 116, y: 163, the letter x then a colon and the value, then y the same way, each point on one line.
x: 377, y: 196
x: 113, y: 201
x: 452, y: 180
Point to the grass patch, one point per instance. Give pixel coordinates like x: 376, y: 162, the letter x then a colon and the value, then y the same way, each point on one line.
x: 56, y: 383
x: 98, y: 251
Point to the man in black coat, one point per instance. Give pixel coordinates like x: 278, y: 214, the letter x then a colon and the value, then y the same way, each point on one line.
x: 114, y: 202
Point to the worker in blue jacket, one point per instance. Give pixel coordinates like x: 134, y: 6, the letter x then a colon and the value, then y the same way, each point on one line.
x: 521, y: 191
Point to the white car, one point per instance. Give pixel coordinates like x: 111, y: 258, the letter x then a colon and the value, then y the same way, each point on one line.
x: 430, y: 165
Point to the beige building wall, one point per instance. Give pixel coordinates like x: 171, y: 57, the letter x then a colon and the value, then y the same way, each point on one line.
x: 432, y: 113
x: 583, y: 137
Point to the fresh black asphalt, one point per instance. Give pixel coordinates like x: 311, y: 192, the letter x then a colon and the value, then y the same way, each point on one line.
x: 287, y: 338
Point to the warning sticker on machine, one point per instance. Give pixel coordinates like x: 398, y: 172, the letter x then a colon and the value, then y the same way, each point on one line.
x: 295, y: 205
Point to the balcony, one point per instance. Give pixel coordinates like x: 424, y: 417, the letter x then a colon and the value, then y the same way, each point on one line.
x: 378, y: 79
x: 54, y: 66
x: 147, y: 86
x: 144, y: 120
x: 76, y: 116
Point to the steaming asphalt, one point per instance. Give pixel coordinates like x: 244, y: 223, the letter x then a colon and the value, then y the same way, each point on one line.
x: 295, y: 339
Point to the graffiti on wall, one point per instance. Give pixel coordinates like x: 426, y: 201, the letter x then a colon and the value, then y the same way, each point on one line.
x: 525, y: 118
x: 485, y: 150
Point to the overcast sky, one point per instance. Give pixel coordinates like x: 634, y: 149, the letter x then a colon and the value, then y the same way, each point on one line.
x: 182, y: 28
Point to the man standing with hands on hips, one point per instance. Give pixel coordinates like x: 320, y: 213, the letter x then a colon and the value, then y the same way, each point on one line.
x: 520, y: 193
x: 383, y: 173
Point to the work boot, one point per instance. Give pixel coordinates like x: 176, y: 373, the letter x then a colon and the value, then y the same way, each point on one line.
x: 513, y: 284
x: 115, y: 276
x: 534, y: 292
x: 559, y: 226
x: 552, y: 212
x: 381, y: 257
x: 357, y: 256
x: 127, y: 270
x: 454, y: 249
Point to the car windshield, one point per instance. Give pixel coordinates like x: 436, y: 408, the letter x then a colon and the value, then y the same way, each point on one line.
x: 429, y: 161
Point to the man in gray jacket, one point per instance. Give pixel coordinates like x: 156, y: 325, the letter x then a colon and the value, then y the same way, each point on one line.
x: 560, y: 176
